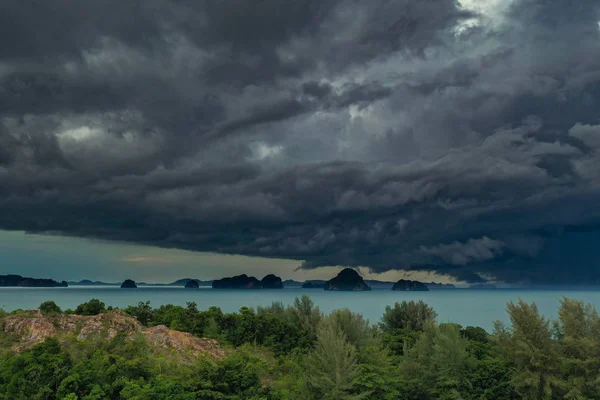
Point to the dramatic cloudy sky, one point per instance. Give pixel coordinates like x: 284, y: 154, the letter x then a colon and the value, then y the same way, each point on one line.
x: 461, y: 138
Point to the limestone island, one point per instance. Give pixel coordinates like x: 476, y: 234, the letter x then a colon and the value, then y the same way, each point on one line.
x: 192, y: 284
x: 347, y: 280
x: 20, y: 281
x: 271, y: 282
x: 409, y: 286
x: 128, y: 284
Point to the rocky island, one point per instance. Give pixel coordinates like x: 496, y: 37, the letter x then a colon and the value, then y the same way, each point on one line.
x: 271, y: 282
x: 248, y: 282
x: 237, y: 282
x: 20, y: 281
x: 410, y: 286
x: 128, y: 284
x: 347, y: 280
x: 192, y: 284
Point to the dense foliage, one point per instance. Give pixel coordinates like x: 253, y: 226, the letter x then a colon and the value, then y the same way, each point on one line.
x: 297, y: 352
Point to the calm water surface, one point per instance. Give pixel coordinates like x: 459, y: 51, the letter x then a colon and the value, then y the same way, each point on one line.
x: 466, y: 307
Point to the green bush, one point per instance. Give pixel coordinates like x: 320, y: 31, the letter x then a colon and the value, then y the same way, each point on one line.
x: 50, y: 308
x: 92, y: 307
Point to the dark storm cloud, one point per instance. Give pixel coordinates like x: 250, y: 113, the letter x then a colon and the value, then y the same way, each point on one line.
x: 410, y: 135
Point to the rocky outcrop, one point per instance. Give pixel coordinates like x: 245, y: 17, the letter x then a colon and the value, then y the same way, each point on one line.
x: 271, y: 282
x: 163, y: 337
x: 20, y: 281
x: 410, y: 286
x: 192, y: 284
x: 31, y: 328
x: 237, y: 282
x: 347, y: 280
x: 128, y: 284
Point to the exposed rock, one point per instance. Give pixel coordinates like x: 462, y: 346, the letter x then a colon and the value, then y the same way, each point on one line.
x: 192, y: 284
x: 271, y: 282
x: 413, y: 286
x: 32, y: 328
x: 313, y: 285
x: 20, y: 281
x: 128, y: 284
x: 161, y: 336
x: 347, y: 280
x: 237, y: 282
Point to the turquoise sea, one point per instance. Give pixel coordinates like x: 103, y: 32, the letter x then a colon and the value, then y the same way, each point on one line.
x: 466, y: 307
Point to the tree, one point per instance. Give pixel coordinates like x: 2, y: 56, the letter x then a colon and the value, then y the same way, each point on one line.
x: 411, y: 316
x: 578, y: 333
x: 331, y: 369
x: 92, y: 307
x: 305, y: 314
x: 438, y: 366
x: 533, y: 351
x: 355, y: 328
x: 35, y: 373
x: 50, y: 308
x: 143, y: 312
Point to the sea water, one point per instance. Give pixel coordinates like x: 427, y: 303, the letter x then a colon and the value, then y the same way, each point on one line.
x: 463, y: 306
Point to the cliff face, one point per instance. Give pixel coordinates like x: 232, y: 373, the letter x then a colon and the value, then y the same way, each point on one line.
x: 413, y: 286
x: 347, y: 280
x: 271, y: 282
x: 237, y: 282
x: 20, y: 281
x: 32, y: 328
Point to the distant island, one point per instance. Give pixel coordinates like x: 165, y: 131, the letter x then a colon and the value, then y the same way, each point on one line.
x: 20, y: 281
x: 482, y: 286
x: 268, y: 282
x: 438, y: 286
x: 314, y: 284
x: 292, y: 283
x: 128, y: 284
x: 87, y: 282
x: 192, y: 284
x: 271, y: 282
x: 248, y: 282
x: 347, y: 280
x: 411, y: 286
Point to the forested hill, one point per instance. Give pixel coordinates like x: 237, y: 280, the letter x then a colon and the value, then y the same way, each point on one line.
x: 295, y: 353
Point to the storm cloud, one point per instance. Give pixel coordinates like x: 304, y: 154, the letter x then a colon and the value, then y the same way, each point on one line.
x: 410, y: 135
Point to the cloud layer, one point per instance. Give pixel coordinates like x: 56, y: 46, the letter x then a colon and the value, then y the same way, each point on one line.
x: 415, y: 135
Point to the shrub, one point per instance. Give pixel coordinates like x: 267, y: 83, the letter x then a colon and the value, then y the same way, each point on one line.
x: 92, y: 307
x: 50, y: 308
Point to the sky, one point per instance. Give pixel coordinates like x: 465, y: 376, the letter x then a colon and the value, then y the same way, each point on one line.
x: 159, y: 139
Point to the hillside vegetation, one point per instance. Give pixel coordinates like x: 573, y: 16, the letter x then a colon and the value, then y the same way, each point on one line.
x: 295, y: 353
